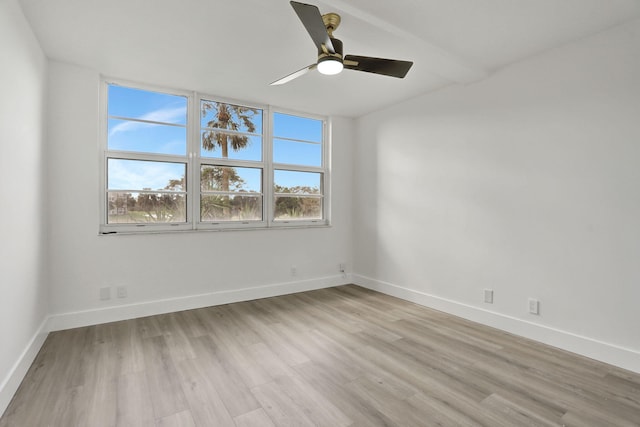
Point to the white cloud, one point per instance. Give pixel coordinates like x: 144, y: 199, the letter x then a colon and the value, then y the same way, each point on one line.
x: 136, y: 175
x: 166, y: 115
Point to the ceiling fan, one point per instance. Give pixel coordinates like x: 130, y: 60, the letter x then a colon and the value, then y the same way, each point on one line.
x: 330, y: 58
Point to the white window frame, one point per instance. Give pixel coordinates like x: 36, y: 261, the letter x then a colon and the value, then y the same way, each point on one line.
x: 323, y: 169
x: 194, y: 161
x: 199, y: 161
x: 106, y: 154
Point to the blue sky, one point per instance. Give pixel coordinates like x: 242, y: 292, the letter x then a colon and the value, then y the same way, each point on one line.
x: 170, y: 137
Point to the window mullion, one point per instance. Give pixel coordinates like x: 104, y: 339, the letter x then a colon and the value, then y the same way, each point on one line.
x: 302, y: 141
x: 145, y: 121
x: 326, y: 165
x: 151, y: 157
x: 267, y: 156
x: 230, y: 162
x: 193, y: 144
x: 104, y: 109
x: 297, y: 168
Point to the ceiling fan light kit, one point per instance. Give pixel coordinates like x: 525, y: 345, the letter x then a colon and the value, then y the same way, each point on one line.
x: 330, y: 66
x: 331, y: 60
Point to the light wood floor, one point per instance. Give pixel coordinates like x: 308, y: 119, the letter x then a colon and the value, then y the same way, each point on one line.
x: 344, y: 356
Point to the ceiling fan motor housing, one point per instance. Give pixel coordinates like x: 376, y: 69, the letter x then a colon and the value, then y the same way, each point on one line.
x: 337, y: 56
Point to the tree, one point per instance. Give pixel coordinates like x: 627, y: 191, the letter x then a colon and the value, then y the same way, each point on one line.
x: 163, y: 207
x: 120, y: 206
x: 227, y: 117
x: 297, y: 205
x: 211, y: 179
x: 217, y: 178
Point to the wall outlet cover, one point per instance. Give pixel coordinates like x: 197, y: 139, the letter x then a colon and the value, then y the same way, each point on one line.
x: 534, y: 306
x: 121, y: 291
x: 488, y: 296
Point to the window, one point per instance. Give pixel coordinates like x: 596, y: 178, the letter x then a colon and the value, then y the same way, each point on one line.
x: 146, y: 160
x: 231, y: 166
x: 181, y: 161
x: 298, y: 176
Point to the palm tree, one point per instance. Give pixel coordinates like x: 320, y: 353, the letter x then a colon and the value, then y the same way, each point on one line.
x: 227, y: 117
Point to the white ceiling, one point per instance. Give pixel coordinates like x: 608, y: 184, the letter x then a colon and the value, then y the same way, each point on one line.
x: 235, y: 48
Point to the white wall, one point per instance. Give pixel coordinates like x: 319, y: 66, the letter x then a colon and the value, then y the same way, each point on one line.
x: 526, y: 183
x: 23, y: 305
x: 168, y: 266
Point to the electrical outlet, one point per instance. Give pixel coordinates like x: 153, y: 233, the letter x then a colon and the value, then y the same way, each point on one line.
x: 121, y: 291
x: 488, y: 296
x: 105, y: 294
x: 342, y: 267
x: 294, y: 270
x: 534, y: 306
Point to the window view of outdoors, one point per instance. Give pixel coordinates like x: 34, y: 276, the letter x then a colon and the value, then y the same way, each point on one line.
x: 232, y: 133
x: 146, y: 168
x: 147, y: 162
x: 297, y: 153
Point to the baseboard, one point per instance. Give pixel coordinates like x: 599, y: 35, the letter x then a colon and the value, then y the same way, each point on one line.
x: 605, y: 352
x: 149, y: 308
x: 13, y: 379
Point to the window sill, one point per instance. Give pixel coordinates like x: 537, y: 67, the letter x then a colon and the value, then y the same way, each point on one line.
x: 287, y: 226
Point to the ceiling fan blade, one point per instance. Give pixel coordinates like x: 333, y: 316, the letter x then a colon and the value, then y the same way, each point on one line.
x: 295, y: 75
x: 312, y: 21
x: 386, y: 67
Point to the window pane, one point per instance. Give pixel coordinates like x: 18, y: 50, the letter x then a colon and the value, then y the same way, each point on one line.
x: 219, y: 178
x: 297, y: 182
x: 143, y: 137
x: 232, y: 146
x: 294, y: 207
x: 297, y: 153
x: 230, y: 208
x: 147, y: 105
x: 136, y: 208
x: 145, y: 175
x: 294, y: 127
x: 219, y: 115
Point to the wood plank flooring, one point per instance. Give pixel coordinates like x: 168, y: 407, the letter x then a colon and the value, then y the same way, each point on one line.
x: 343, y: 356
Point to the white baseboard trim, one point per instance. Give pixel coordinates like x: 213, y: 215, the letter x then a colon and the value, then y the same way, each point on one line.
x: 149, y: 308
x: 605, y: 352
x: 12, y: 381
